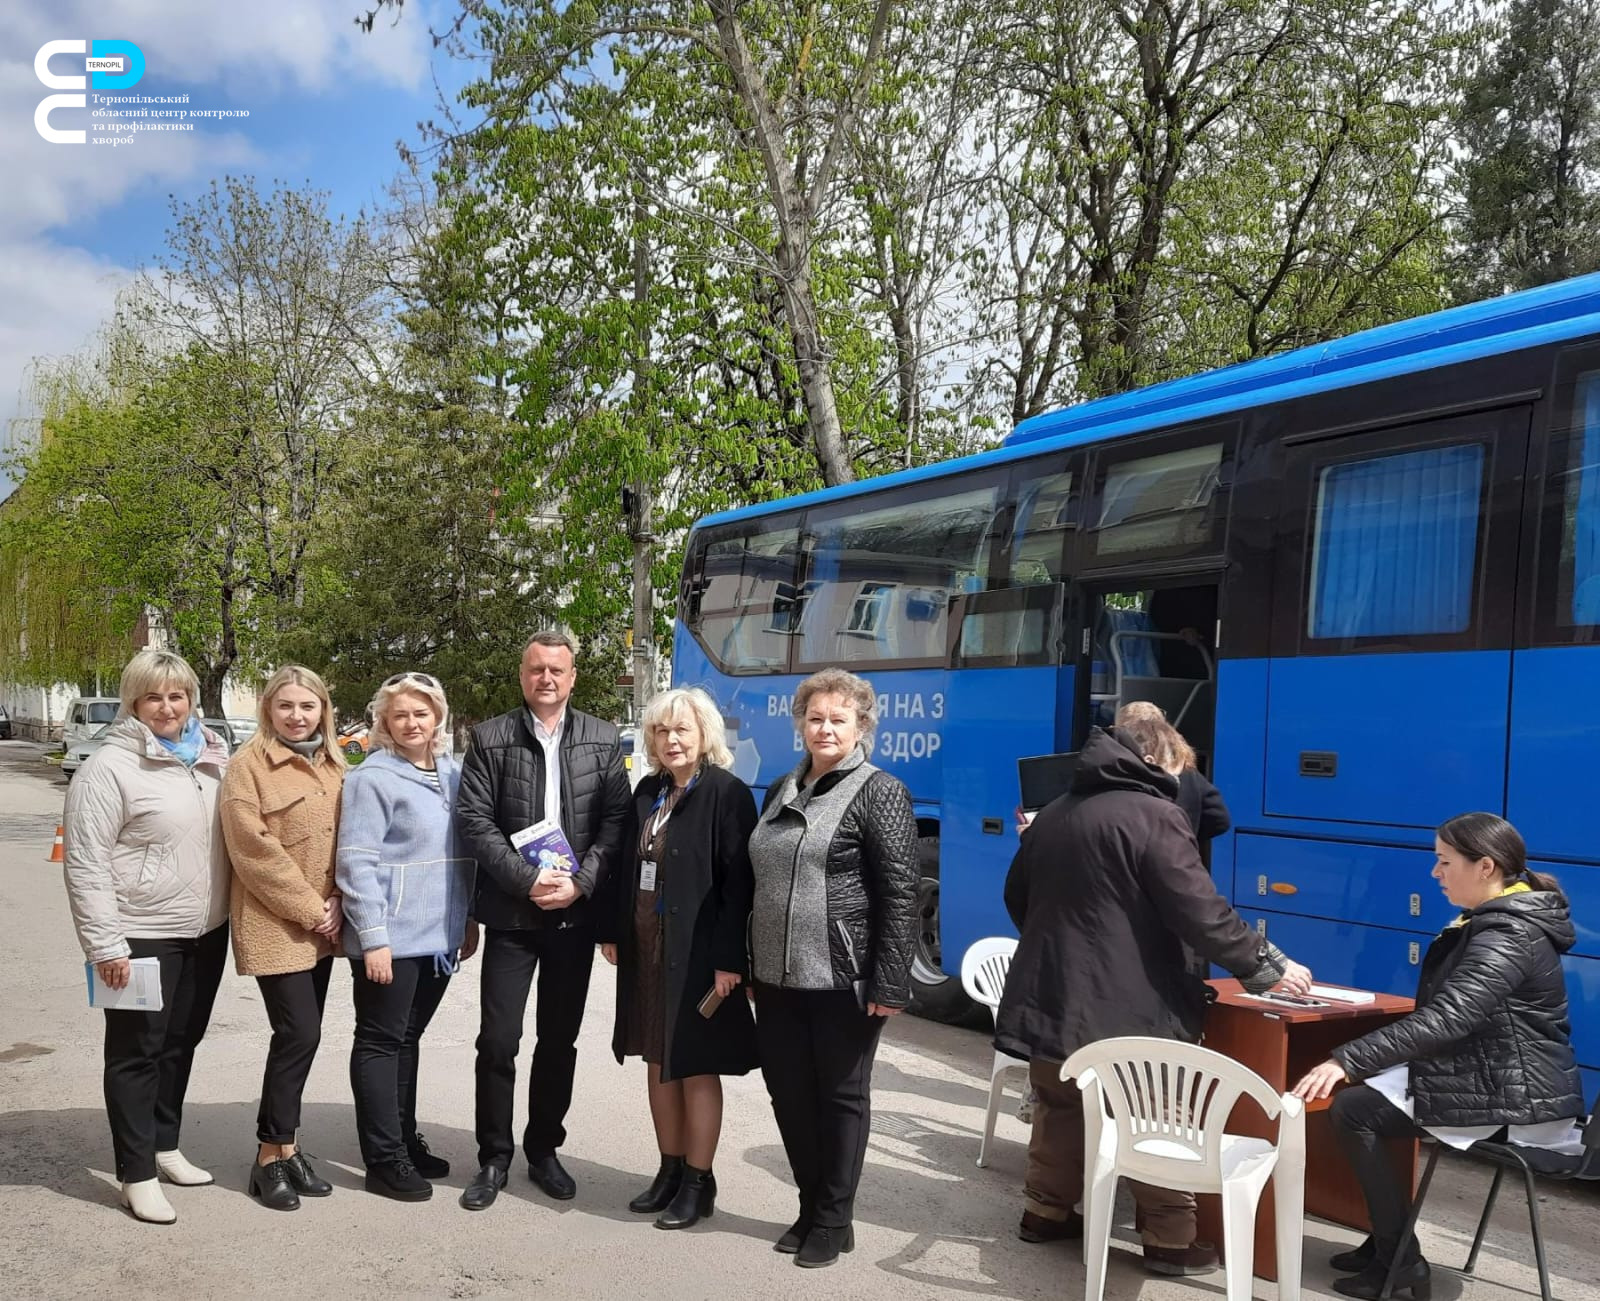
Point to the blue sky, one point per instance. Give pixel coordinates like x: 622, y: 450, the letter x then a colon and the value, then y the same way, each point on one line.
x: 327, y: 105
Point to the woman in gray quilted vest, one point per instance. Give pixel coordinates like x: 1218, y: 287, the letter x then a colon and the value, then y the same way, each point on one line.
x: 831, y: 935
x: 407, y: 886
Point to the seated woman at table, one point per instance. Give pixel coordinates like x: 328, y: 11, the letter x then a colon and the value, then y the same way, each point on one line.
x: 1487, y: 1049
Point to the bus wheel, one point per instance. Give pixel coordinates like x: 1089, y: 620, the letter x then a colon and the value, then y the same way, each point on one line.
x: 935, y: 995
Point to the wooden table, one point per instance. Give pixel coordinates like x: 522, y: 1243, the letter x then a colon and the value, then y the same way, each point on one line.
x: 1281, y: 1043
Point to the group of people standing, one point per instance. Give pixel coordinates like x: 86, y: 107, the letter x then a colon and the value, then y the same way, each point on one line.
x: 808, y: 906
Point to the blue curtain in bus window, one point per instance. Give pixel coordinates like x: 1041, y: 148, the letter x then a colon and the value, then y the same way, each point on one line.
x: 1583, y: 504
x: 1396, y: 544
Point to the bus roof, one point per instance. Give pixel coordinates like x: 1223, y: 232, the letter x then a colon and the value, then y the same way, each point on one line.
x: 1549, y: 314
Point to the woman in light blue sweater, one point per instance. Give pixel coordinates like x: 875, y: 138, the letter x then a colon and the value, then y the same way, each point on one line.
x: 407, y: 887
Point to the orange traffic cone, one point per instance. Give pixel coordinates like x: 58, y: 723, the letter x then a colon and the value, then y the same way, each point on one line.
x: 56, y: 856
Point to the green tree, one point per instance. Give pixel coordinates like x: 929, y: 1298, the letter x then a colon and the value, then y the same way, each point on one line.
x: 133, y: 499
x: 416, y: 571
x: 1179, y: 186
x: 1530, y: 131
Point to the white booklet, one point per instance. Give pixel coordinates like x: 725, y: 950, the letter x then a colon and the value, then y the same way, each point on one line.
x: 142, y: 993
x: 1338, y: 994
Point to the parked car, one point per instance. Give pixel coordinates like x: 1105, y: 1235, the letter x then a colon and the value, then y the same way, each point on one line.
x: 76, y: 754
x: 5, y: 724
x: 354, y: 738
x: 243, y: 728
x: 632, y: 753
x: 224, y: 728
x: 87, y: 715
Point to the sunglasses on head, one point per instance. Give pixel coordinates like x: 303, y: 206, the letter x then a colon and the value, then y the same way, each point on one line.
x: 427, y: 680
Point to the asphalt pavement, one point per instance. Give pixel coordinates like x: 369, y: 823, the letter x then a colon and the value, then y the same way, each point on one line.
x: 929, y: 1223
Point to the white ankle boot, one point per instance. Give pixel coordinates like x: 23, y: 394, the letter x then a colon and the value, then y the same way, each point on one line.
x: 147, y: 1202
x: 178, y: 1169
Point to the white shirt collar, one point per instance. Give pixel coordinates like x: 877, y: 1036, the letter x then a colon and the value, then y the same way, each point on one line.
x: 548, y: 734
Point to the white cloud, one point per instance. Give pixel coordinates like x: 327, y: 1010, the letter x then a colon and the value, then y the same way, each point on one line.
x: 54, y: 300
x: 54, y: 296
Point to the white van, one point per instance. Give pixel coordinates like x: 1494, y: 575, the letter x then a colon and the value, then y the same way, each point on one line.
x: 87, y: 715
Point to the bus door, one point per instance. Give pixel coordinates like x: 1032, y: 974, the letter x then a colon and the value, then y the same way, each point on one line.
x: 1152, y: 640
x: 1389, y: 684
x: 1008, y: 696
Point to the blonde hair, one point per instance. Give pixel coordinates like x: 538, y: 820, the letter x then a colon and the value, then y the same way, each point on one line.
x: 1148, y: 711
x: 838, y: 682
x: 1153, y: 739
x: 295, y: 675
x: 413, y: 684
x: 694, y: 702
x: 151, y: 670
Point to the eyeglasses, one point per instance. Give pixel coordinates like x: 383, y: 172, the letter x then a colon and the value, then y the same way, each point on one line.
x: 427, y: 680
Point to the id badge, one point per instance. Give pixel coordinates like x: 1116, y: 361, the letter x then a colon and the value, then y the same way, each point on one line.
x: 647, y: 875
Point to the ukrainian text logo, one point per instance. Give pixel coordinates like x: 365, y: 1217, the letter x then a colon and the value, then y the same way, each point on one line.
x: 116, y: 119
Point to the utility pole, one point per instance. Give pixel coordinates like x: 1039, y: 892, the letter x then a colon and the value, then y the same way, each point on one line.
x: 637, y: 502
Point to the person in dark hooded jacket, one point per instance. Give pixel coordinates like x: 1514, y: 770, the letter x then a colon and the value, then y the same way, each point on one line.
x: 1488, y: 1046
x: 1106, y: 890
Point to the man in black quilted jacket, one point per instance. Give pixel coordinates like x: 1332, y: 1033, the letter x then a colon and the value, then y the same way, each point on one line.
x: 543, y: 761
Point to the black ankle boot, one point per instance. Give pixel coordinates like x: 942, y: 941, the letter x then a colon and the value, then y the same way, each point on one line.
x: 1356, y: 1259
x: 823, y: 1245
x: 663, y: 1188
x: 1413, y: 1278
x: 794, y: 1236
x: 695, y: 1200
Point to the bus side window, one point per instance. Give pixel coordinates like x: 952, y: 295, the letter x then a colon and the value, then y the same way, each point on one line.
x: 881, y: 578
x: 1395, y: 544
x: 742, y: 601
x: 1044, y: 525
x: 1579, y: 583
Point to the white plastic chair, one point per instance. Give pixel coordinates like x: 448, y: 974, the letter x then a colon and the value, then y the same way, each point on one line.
x: 1154, y: 1110
x: 983, y: 976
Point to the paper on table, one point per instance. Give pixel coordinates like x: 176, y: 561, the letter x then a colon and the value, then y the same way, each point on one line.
x: 1334, y: 994
x: 142, y: 993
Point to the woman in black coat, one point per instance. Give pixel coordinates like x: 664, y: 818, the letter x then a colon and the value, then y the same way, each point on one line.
x: 1489, y: 1045
x: 676, y: 933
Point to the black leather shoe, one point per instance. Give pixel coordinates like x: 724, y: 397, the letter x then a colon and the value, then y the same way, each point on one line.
x: 423, y: 1160
x: 1414, y: 1278
x: 270, y: 1185
x: 695, y: 1200
x: 1037, y: 1228
x: 307, y: 1182
x: 399, y: 1180
x: 482, y: 1191
x: 663, y: 1188
x: 1356, y: 1259
x: 553, y: 1181
x: 823, y: 1245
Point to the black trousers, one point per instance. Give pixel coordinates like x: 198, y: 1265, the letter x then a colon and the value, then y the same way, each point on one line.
x: 390, y: 1020
x: 1362, y: 1119
x: 817, y: 1050
x: 564, y: 959
x: 149, y: 1054
x: 294, y: 1004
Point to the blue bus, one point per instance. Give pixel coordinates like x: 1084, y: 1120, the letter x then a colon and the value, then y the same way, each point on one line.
x: 1363, y: 579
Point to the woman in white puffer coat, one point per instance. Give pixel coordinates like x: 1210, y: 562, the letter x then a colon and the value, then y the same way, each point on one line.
x: 147, y: 877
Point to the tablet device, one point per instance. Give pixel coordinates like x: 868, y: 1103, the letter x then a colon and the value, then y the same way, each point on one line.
x: 1043, y: 777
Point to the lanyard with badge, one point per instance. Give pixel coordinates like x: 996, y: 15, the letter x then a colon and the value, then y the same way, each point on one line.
x: 660, y: 814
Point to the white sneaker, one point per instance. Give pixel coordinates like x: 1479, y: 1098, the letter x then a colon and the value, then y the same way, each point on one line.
x: 178, y: 1169
x: 147, y: 1202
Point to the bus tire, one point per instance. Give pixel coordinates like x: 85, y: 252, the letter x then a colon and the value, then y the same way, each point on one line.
x: 935, y: 995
